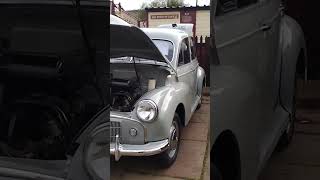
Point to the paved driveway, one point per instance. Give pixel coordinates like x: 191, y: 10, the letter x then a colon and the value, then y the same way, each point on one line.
x: 192, y: 161
x: 301, y: 161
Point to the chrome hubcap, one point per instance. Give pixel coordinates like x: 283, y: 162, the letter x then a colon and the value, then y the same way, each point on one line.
x: 174, y: 139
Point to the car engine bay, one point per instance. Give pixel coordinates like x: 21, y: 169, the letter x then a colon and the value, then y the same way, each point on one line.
x: 129, y: 83
x: 44, y: 102
x: 124, y: 94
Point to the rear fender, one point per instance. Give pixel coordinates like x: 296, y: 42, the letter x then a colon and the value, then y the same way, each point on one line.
x: 200, y: 80
x: 292, y: 44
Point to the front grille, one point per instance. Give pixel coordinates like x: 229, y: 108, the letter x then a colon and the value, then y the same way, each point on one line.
x: 115, y: 129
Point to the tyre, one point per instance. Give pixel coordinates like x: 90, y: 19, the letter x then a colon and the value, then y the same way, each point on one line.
x: 168, y: 157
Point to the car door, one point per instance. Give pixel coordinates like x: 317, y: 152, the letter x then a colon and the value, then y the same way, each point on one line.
x: 195, y: 65
x: 242, y: 45
x: 269, y: 66
x: 269, y: 73
x: 186, y: 69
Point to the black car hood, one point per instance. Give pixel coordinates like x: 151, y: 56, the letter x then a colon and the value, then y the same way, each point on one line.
x: 50, y: 26
x: 128, y: 40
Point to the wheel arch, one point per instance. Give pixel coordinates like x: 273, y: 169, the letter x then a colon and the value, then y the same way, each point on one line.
x: 225, y: 154
x: 180, y: 110
x: 293, y: 58
x: 201, y: 79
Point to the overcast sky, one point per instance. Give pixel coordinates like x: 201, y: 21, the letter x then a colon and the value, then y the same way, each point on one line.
x: 136, y: 4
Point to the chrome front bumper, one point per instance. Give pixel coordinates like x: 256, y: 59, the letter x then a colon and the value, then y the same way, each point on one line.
x: 148, y: 149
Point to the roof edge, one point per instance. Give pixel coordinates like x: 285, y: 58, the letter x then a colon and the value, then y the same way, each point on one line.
x: 158, y: 9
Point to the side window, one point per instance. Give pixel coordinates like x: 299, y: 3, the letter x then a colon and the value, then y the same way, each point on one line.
x: 184, y: 54
x: 186, y: 50
x: 180, y: 60
x: 225, y: 6
x: 193, y: 49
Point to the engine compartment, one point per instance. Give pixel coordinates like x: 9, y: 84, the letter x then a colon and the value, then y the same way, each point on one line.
x: 44, y: 102
x: 52, y: 62
x: 129, y: 83
x: 124, y: 94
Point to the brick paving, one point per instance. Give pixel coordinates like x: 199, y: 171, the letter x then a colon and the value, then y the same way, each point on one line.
x: 192, y: 162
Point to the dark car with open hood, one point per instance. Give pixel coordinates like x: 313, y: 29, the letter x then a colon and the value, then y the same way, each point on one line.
x: 54, y: 112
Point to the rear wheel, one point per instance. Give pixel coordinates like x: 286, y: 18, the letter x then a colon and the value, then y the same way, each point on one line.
x: 168, y: 157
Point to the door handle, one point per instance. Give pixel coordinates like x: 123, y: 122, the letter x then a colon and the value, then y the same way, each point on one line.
x: 265, y: 27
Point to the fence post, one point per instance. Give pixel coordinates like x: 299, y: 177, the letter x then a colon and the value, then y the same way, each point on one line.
x: 207, y: 59
x: 201, y: 41
x: 196, y: 44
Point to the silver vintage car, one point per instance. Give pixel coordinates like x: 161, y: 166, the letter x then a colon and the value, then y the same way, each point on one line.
x: 260, y: 52
x: 156, y: 85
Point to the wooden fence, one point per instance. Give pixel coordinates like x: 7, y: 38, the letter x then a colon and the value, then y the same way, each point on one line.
x: 202, y: 49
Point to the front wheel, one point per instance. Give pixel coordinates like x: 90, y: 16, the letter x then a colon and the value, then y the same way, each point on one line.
x: 168, y: 157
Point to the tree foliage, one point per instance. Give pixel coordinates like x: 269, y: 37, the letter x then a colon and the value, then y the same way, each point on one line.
x: 159, y: 3
x: 166, y: 3
x: 175, y: 3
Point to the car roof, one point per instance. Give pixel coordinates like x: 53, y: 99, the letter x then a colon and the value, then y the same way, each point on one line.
x: 173, y: 35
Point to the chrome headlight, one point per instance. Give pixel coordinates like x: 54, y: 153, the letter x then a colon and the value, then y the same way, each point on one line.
x: 147, y: 110
x: 97, y: 154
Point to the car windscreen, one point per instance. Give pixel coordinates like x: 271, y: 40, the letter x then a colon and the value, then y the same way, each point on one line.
x: 165, y: 47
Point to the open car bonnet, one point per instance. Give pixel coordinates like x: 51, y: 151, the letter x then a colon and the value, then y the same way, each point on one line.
x: 44, y: 59
x: 129, y: 41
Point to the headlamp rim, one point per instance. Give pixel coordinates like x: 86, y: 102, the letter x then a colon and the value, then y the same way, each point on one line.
x: 153, y: 104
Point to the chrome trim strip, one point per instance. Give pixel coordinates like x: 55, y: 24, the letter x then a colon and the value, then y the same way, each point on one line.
x: 239, y: 38
x: 248, y: 34
x: 148, y: 149
x: 185, y: 73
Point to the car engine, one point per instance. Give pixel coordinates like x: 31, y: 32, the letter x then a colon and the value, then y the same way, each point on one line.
x: 44, y: 103
x: 124, y: 94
